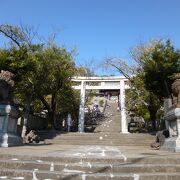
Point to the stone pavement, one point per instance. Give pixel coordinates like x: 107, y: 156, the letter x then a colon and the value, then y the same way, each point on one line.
x: 51, y: 150
x: 97, y: 151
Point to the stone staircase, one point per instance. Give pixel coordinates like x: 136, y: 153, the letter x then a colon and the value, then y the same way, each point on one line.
x: 106, y: 139
x: 106, y: 133
x: 102, y: 155
x: 111, y: 122
x: 89, y: 163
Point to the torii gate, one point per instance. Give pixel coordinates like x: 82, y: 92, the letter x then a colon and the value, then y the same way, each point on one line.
x: 105, y: 83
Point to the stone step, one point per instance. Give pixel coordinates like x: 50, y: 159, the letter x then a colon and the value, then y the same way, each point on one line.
x: 102, y: 137
x: 100, y: 142
x: 105, y: 136
x: 47, y: 175
x: 98, y: 159
x: 76, y: 165
x: 63, y: 159
x: 116, y: 139
x: 94, y: 135
x: 87, y: 167
x: 79, y: 175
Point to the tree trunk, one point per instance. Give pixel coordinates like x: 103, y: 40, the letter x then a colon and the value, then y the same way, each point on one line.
x: 153, y: 108
x: 26, y: 115
x: 53, y: 108
x: 152, y: 112
x: 167, y: 90
x: 52, y: 118
x: 153, y: 119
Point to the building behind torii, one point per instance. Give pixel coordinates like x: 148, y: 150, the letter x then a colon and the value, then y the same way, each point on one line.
x: 102, y: 83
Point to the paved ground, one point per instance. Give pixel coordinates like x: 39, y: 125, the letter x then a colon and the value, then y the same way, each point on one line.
x: 75, y: 150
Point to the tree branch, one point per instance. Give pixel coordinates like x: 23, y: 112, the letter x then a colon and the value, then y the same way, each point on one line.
x: 9, y: 34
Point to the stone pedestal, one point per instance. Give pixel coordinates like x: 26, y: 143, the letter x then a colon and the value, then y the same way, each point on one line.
x: 173, y: 120
x: 8, y: 126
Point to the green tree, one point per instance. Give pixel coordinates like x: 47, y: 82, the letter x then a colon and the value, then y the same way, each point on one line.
x: 53, y: 78
x: 21, y: 60
x: 150, y: 78
x: 141, y: 102
x: 42, y: 73
x: 159, y: 60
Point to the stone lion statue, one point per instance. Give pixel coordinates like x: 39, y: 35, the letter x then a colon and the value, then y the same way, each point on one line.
x: 6, y: 86
x: 176, y: 91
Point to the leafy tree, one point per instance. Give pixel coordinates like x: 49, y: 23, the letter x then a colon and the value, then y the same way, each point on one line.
x: 21, y: 61
x: 42, y: 73
x: 53, y: 79
x: 150, y: 78
x: 141, y: 102
x: 159, y: 60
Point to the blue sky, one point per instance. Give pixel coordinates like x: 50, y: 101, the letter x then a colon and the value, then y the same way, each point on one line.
x: 97, y: 28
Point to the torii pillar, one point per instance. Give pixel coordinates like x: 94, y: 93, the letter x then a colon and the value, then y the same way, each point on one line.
x: 124, y: 128
x: 81, y: 107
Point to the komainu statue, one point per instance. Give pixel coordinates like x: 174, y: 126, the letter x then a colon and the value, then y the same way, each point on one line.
x: 6, y: 87
x: 176, y: 91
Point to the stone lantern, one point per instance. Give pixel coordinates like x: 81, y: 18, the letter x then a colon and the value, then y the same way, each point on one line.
x: 8, y: 112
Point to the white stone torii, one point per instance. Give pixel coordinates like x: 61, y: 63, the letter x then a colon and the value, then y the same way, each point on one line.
x: 103, y: 86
